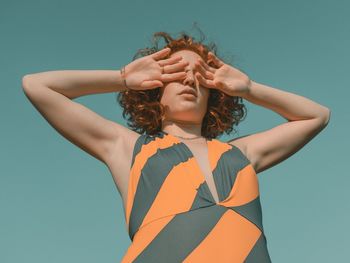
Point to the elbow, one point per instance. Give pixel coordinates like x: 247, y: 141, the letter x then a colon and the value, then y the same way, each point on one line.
x: 26, y: 79
x: 326, y: 116
x: 30, y: 86
x: 29, y: 81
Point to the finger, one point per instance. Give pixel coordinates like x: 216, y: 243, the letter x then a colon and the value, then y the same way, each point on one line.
x: 204, y: 72
x: 215, y: 59
x: 205, y: 82
x: 173, y: 76
x: 151, y: 84
x: 161, y: 53
x: 169, y: 61
x: 176, y: 67
x: 206, y: 66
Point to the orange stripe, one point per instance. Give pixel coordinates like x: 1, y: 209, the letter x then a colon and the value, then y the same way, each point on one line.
x: 231, y: 240
x: 245, y: 189
x: 216, y: 149
x: 177, y: 190
x: 141, y: 158
x: 144, y: 237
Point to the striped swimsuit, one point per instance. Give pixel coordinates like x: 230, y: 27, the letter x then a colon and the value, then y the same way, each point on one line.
x: 171, y: 215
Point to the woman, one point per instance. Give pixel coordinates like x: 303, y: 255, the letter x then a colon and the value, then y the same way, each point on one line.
x: 187, y: 196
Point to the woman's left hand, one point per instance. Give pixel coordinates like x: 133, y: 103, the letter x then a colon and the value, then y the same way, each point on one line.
x: 222, y: 77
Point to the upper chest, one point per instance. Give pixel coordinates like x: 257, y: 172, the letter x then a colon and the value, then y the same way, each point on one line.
x: 201, y: 156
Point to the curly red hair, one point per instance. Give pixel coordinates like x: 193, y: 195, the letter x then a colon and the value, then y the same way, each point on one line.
x: 146, y: 112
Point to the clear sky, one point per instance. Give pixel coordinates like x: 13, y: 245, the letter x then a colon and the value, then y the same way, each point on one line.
x: 59, y: 204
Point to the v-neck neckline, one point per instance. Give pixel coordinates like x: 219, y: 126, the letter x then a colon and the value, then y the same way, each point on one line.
x: 197, y: 163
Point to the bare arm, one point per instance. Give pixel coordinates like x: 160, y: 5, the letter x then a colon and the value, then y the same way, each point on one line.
x: 77, y: 83
x: 52, y: 92
x: 306, y: 119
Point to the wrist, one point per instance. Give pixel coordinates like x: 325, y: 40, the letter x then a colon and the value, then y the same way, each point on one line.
x: 121, y: 80
x: 248, y: 89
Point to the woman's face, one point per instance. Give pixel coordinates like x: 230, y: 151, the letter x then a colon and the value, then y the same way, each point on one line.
x: 184, y: 107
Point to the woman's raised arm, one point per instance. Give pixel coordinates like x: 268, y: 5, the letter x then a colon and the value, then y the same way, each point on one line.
x: 52, y: 92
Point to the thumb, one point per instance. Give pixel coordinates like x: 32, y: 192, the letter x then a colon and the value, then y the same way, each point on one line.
x: 151, y: 84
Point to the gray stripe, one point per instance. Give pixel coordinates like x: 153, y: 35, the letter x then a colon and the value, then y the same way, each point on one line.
x: 259, y: 253
x: 153, y: 175
x: 181, y: 235
x: 203, y: 197
x: 252, y: 212
x: 140, y: 141
x: 226, y: 170
x: 137, y: 147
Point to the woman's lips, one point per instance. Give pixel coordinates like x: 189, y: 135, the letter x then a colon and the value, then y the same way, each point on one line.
x: 189, y: 92
x: 188, y: 96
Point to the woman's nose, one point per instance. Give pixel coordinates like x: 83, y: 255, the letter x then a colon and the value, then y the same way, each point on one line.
x: 190, y: 77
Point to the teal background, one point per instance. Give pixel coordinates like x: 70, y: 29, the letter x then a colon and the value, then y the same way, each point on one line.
x: 59, y: 204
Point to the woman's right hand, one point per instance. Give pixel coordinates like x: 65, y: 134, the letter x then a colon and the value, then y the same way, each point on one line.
x: 152, y: 71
